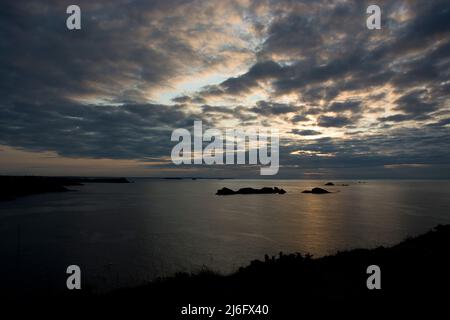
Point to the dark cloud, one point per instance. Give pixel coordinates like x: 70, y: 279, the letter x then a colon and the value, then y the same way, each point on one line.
x: 218, y: 113
x: 182, y: 99
x: 134, y: 131
x: 305, y: 132
x: 244, y: 83
x: 353, y: 106
x: 317, y: 93
x: 299, y: 118
x: 188, y: 99
x: 414, y: 103
x: 217, y: 109
x: 396, y: 118
x: 124, y: 50
x: 424, y: 147
x: 328, y: 121
x: 270, y: 108
x: 441, y: 123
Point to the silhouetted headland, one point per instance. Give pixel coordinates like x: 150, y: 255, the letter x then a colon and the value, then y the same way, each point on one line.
x: 12, y: 187
x: 266, y: 190
x: 413, y: 273
x: 316, y: 191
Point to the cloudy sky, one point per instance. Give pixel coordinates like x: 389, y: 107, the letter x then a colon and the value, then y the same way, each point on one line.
x: 349, y: 102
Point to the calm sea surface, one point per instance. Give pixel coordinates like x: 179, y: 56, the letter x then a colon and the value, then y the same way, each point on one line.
x: 125, y: 234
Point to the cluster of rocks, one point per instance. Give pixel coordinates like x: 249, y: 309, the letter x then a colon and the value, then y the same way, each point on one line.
x: 265, y: 190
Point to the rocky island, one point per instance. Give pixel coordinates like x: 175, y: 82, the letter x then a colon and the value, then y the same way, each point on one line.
x: 266, y: 190
x: 316, y: 191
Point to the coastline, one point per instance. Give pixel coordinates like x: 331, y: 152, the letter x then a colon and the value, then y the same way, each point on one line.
x: 12, y: 187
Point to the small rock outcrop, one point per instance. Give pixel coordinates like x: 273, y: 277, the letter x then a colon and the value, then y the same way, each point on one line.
x: 334, y: 184
x: 316, y: 191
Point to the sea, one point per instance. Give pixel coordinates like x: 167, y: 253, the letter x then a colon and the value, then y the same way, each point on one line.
x: 125, y: 235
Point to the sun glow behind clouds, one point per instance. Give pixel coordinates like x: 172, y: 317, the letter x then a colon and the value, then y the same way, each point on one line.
x: 189, y: 84
x: 335, y: 90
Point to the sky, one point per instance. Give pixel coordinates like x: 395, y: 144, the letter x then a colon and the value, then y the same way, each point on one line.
x: 349, y: 102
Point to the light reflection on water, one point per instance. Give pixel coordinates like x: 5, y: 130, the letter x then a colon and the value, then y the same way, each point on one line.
x: 124, y: 234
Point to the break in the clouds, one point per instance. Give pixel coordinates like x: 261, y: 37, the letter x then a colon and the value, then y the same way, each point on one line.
x: 345, y: 98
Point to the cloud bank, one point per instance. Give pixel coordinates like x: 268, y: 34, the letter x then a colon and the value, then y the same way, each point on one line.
x: 345, y: 98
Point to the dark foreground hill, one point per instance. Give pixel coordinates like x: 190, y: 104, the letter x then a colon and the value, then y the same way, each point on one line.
x: 415, y: 275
